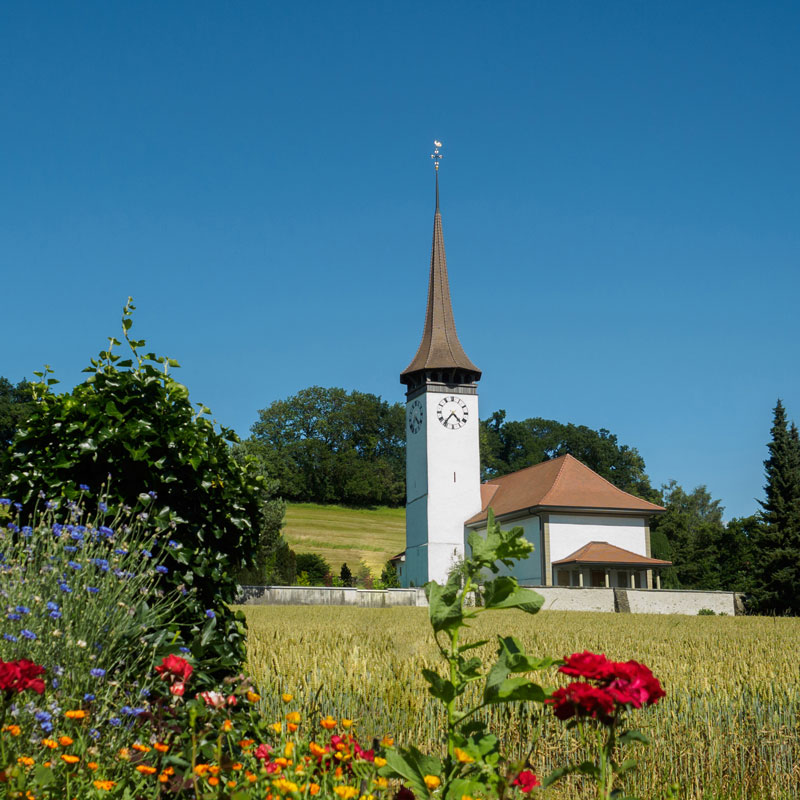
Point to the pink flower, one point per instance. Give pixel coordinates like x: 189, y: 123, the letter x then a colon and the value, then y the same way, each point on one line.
x: 526, y: 781
x: 213, y: 699
x: 263, y: 751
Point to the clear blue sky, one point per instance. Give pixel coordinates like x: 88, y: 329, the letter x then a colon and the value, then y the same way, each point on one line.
x: 619, y: 191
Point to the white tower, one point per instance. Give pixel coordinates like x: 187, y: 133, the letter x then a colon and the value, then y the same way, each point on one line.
x: 442, y: 445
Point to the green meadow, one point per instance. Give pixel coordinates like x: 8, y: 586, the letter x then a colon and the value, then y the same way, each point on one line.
x: 348, y: 535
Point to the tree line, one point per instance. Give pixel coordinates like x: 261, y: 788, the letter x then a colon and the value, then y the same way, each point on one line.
x: 328, y: 445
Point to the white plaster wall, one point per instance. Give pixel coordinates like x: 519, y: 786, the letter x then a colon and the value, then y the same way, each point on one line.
x: 559, y: 598
x: 569, y: 532
x: 665, y: 601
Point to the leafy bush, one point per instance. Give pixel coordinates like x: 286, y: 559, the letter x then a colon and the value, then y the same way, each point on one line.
x: 315, y: 567
x: 130, y: 426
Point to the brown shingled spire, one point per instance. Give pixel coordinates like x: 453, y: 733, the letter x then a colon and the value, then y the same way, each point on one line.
x: 440, y: 356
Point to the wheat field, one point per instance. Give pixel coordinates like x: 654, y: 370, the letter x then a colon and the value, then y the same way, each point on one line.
x: 728, y: 728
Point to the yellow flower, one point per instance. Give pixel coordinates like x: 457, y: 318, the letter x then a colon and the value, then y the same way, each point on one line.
x: 347, y: 723
x: 387, y: 741
x: 346, y: 792
x: 463, y: 756
x: 105, y: 785
x: 367, y: 797
x: 77, y: 714
x: 26, y: 761
x: 328, y: 722
x: 51, y: 743
x: 293, y: 716
x: 432, y: 782
x: 254, y: 698
x: 70, y: 759
x: 380, y: 762
x: 285, y: 786
x: 145, y: 769
x: 287, y: 751
x: 287, y: 698
x: 227, y: 726
x: 277, y: 727
x: 124, y: 754
x: 381, y: 783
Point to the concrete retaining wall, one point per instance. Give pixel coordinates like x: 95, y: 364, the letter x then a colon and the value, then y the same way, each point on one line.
x: 557, y: 598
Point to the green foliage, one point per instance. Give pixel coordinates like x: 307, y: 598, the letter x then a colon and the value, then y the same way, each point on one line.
x: 16, y: 404
x: 345, y: 575
x: 131, y: 427
x: 389, y: 577
x: 332, y: 446
x: 776, y: 588
x: 315, y: 567
x: 363, y: 577
x: 470, y: 766
x: 507, y: 446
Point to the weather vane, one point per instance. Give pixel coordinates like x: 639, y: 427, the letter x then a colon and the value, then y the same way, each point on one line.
x: 436, y: 155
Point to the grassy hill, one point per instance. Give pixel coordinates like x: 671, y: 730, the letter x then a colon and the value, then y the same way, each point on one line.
x: 349, y: 535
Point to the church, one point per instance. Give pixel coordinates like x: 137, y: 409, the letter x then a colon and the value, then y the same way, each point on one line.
x: 585, y: 531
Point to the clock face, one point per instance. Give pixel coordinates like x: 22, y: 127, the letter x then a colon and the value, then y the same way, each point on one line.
x: 452, y: 412
x: 415, y: 412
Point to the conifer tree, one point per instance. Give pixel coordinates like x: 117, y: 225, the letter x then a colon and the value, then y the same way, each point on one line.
x: 777, y: 557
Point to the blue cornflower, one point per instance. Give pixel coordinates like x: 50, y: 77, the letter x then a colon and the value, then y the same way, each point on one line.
x: 92, y: 589
x: 54, y: 615
x: 173, y: 544
x: 126, y: 710
x: 23, y: 610
x: 115, y: 721
x: 94, y: 733
x: 58, y: 669
x: 4, y: 501
x: 97, y: 672
x: 43, y: 716
x: 18, y: 506
x: 48, y: 504
x: 88, y: 698
x: 153, y: 495
x: 162, y: 569
x: 101, y: 563
x: 210, y: 613
x: 147, y: 554
x: 145, y: 693
x: 51, y: 606
x: 83, y: 487
x: 27, y: 634
x: 121, y: 552
x: 57, y: 528
x: 47, y: 727
x: 64, y: 587
x: 9, y: 637
x: 70, y: 548
x: 12, y: 527
x: 106, y: 531
x: 74, y: 564
x: 15, y: 616
x: 27, y: 530
x: 77, y: 536
x: 54, y: 683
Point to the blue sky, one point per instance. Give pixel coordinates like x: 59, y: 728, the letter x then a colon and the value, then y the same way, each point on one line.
x: 619, y: 193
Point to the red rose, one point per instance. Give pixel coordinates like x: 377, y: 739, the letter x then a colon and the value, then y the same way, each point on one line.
x: 174, y: 668
x: 634, y: 684
x: 526, y: 781
x: 17, y: 676
x: 404, y: 793
x: 594, y: 666
x: 582, y: 700
x: 177, y: 689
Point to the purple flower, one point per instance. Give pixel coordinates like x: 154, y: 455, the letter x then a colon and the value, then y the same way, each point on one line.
x: 115, y: 722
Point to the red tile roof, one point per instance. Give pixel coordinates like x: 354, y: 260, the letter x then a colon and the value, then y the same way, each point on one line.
x: 605, y: 553
x: 562, y: 482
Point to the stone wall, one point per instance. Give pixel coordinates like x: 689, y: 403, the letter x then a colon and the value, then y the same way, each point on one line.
x: 557, y: 598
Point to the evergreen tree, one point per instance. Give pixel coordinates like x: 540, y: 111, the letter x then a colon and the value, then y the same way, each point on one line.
x: 346, y: 576
x: 777, y: 558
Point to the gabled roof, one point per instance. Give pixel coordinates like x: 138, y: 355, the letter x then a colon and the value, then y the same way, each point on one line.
x: 440, y: 348
x: 605, y: 553
x: 561, y: 483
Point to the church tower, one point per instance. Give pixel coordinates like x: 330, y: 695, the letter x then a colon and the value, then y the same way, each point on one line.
x: 442, y: 451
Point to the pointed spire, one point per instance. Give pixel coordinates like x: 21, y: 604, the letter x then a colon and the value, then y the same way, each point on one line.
x: 440, y: 349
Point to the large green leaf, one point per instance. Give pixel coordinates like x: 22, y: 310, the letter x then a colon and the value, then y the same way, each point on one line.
x: 444, y: 606
x: 412, y: 766
x: 505, y: 592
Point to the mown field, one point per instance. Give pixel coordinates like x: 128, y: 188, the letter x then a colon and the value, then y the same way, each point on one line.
x: 728, y: 728
x: 346, y: 534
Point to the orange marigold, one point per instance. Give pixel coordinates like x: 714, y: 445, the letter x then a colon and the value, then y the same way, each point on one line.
x: 161, y: 747
x: 14, y: 730
x: 314, y: 788
x: 287, y: 698
x: 104, y: 785
x: 51, y: 743
x: 347, y: 722
x: 227, y: 726
x: 26, y: 761
x: 70, y: 759
x: 78, y: 713
x: 291, y: 727
x: 142, y: 748
x: 328, y: 722
x: 253, y: 697
x: 213, y: 780
x: 293, y: 716
x: 236, y: 766
x: 64, y: 741
x: 146, y: 769
x: 93, y: 765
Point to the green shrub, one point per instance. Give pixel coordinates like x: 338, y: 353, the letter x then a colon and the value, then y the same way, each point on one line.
x: 315, y: 567
x: 130, y: 426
